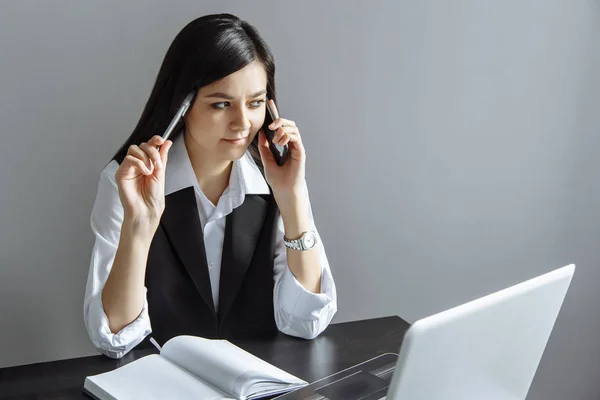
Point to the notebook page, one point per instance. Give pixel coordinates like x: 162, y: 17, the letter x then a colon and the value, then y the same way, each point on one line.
x: 151, y: 378
x: 225, y: 365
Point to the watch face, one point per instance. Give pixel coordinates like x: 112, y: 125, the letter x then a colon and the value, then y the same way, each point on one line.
x: 309, y: 240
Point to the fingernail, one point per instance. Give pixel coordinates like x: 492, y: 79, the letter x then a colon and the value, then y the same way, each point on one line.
x: 272, y: 125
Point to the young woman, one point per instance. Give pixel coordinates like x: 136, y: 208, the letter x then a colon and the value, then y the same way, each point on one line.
x: 205, y: 234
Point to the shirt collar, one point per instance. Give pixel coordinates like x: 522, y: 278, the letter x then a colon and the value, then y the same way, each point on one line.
x: 245, y: 176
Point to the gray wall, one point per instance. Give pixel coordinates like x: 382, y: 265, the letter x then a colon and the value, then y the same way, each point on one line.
x: 452, y: 152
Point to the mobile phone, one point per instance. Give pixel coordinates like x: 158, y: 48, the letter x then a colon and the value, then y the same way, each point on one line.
x: 185, y: 106
x: 280, y: 153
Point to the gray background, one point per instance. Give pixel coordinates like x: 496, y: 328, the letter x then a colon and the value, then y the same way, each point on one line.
x: 453, y: 151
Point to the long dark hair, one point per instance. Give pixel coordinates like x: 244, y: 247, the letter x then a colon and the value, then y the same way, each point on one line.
x: 207, y: 49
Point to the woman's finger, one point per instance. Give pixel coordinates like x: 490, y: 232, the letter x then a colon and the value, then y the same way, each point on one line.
x: 282, y: 132
x: 280, y: 122
x: 153, y: 153
x: 137, y: 152
x: 285, y: 140
x: 296, y: 146
x: 164, y: 151
x: 156, y: 141
x: 131, y: 161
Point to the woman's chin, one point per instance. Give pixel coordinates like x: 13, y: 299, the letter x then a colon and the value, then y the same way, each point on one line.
x: 234, y: 152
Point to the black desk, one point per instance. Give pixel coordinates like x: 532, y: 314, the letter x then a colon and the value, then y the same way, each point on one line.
x: 341, y: 346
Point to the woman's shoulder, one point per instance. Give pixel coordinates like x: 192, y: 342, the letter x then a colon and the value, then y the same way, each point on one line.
x: 106, y: 188
x: 108, y: 173
x: 107, y: 211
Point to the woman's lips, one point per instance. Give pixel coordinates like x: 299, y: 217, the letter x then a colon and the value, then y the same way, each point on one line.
x: 237, y: 141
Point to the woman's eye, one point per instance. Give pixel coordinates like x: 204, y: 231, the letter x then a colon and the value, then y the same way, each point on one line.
x: 220, y: 106
x: 224, y: 104
x: 256, y: 103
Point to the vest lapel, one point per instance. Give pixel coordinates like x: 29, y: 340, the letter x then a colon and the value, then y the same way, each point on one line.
x: 242, y: 232
x: 182, y: 225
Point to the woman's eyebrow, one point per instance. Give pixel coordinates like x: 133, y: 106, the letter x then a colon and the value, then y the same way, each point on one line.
x: 221, y: 95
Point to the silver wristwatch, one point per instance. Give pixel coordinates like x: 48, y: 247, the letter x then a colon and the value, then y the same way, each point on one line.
x: 307, y: 241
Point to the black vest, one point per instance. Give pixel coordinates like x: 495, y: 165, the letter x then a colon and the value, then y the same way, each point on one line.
x: 179, y: 293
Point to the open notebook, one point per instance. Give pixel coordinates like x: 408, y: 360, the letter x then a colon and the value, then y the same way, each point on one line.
x: 190, y: 367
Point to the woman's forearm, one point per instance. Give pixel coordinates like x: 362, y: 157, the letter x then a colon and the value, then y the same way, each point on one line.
x: 123, y: 293
x: 305, y: 265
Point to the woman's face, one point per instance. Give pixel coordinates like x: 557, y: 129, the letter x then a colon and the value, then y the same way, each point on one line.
x: 228, y: 113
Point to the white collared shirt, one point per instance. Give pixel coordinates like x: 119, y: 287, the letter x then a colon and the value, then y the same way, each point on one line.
x: 298, y: 312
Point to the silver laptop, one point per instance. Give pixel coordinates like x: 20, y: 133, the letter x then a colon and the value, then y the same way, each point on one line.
x: 487, y: 349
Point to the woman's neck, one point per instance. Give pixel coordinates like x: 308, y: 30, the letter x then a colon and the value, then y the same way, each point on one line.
x: 212, y: 174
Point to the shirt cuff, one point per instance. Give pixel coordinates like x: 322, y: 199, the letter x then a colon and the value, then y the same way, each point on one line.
x: 116, y: 345
x: 302, y: 304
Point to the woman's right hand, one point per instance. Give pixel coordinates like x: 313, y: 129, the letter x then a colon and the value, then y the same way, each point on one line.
x: 141, y: 181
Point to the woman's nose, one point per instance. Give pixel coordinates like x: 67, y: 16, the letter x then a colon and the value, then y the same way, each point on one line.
x: 240, y: 121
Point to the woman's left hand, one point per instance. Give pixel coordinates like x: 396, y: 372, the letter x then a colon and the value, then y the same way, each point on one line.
x: 288, y: 179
